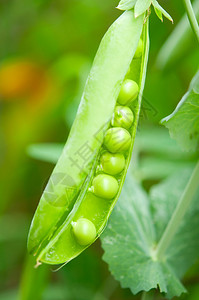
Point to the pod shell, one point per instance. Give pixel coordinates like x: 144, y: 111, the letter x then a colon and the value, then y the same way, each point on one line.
x: 99, y: 98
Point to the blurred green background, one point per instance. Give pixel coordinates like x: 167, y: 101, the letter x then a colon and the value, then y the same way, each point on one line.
x: 47, y: 48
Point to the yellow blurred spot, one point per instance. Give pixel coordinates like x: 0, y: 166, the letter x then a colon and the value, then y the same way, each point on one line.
x: 20, y: 79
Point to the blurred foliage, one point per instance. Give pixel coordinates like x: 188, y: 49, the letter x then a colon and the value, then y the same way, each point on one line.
x: 46, y: 50
x: 179, y: 43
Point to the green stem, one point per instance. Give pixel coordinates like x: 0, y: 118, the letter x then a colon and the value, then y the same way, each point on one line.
x: 144, y: 296
x: 147, y: 295
x: 178, y: 214
x: 192, y: 18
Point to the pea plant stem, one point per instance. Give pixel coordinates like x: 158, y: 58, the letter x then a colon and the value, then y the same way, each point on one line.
x: 147, y: 295
x: 178, y: 214
x: 144, y: 296
x: 192, y: 18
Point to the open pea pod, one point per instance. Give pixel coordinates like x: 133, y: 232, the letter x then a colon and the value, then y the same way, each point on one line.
x: 89, y: 175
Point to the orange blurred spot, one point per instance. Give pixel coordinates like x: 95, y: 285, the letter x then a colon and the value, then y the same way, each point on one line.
x: 19, y: 79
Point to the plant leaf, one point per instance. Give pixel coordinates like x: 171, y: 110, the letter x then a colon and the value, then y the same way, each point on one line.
x: 45, y: 152
x: 141, y: 6
x: 183, y: 123
x: 159, y: 9
x: 132, y: 234
x: 158, y: 13
x: 157, y: 141
x: 155, y: 168
x: 126, y: 4
x: 157, y: 156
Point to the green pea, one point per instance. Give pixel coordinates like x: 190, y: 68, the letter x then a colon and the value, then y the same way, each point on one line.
x: 138, y: 52
x: 117, y: 139
x: 84, y: 231
x: 123, y: 117
x: 128, y: 92
x: 112, y: 163
x: 105, y: 186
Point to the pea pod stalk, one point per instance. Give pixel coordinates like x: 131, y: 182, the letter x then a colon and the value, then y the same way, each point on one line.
x: 68, y: 195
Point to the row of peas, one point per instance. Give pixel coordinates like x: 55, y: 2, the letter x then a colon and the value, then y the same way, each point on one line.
x: 117, y: 140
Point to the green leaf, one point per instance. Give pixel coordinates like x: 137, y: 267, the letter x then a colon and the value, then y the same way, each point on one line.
x: 156, y: 140
x: 133, y: 231
x: 158, y: 13
x: 45, y: 152
x: 155, y: 168
x: 159, y: 9
x: 183, y: 123
x: 156, y: 155
x: 141, y: 6
x: 126, y: 4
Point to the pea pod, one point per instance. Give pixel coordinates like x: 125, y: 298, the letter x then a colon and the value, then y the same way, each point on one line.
x: 70, y: 194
